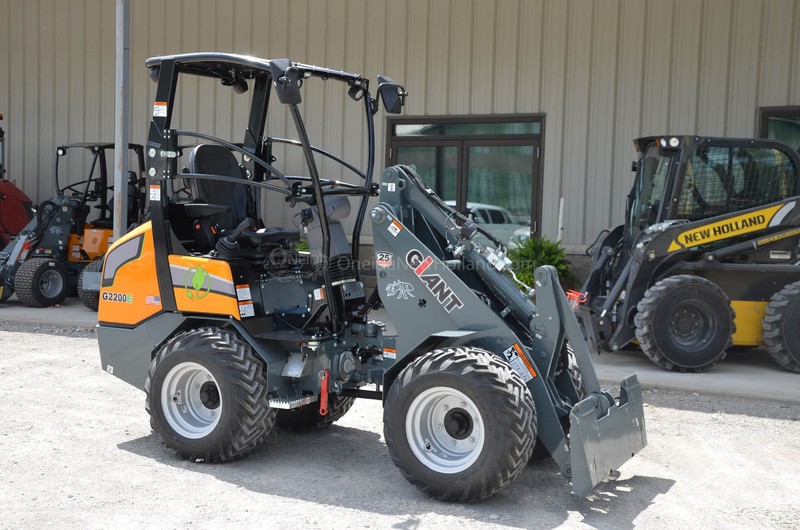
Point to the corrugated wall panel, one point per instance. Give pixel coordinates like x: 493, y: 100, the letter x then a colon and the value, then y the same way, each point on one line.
x: 776, y: 28
x: 482, y: 69
x: 576, y: 111
x: 714, y: 42
x: 529, y: 56
x: 744, y: 74
x: 599, y: 168
x: 685, y: 72
x: 601, y: 72
x: 553, y: 77
x: 460, y: 42
x: 628, y: 107
x: 505, y: 60
x: 657, y: 67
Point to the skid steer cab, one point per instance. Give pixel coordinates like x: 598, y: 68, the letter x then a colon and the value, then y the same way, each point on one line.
x: 230, y: 329
x: 708, y: 255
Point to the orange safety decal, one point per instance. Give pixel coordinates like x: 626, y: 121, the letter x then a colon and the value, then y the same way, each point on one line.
x: 519, y: 362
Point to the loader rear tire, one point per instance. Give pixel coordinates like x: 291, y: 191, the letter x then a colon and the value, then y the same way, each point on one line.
x: 685, y: 323
x: 206, y: 393
x: 90, y: 299
x: 307, y: 418
x: 781, y: 317
x: 42, y: 282
x: 459, y: 424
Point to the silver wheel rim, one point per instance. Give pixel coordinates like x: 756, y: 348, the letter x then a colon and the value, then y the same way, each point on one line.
x: 191, y: 400
x: 51, y: 283
x: 445, y: 430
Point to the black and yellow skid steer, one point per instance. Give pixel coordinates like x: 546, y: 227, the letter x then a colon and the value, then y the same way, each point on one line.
x: 708, y: 257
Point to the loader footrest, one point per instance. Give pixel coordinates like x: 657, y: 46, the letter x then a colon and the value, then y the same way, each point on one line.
x: 291, y: 403
x: 599, y: 445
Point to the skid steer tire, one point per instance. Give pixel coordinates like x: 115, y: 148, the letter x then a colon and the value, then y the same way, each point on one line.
x: 90, y: 299
x: 307, y: 418
x: 206, y: 394
x: 685, y: 323
x: 459, y: 424
x: 42, y: 282
x: 781, y: 317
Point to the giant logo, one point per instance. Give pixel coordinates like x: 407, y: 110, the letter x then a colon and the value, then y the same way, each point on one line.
x: 434, y: 282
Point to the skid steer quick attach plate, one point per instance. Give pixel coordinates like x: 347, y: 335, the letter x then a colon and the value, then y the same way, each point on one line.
x: 598, y: 446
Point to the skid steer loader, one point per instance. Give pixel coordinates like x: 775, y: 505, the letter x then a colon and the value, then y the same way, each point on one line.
x: 230, y: 330
x: 708, y: 257
x: 44, y: 262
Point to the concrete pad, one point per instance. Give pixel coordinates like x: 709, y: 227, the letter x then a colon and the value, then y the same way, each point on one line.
x: 743, y: 373
x: 72, y: 313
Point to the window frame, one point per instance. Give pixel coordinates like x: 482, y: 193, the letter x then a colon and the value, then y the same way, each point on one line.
x: 465, y: 141
x: 765, y: 113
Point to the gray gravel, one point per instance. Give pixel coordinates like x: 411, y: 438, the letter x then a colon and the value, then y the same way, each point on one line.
x: 79, y: 453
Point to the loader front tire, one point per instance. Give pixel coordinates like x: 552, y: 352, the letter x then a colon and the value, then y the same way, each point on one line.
x: 206, y: 393
x: 307, y: 418
x: 459, y: 424
x: 90, y: 298
x: 780, y: 327
x: 42, y: 282
x: 685, y: 323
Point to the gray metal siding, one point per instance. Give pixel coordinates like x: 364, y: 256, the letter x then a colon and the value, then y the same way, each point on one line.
x: 602, y: 71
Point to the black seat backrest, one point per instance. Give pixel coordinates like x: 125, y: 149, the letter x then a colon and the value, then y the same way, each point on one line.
x: 213, y: 159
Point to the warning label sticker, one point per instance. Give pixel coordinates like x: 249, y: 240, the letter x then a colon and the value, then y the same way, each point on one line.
x: 516, y: 358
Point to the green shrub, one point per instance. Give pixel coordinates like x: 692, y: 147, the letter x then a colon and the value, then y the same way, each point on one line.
x: 534, y: 252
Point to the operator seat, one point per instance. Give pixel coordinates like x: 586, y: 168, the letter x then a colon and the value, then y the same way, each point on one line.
x: 214, y: 159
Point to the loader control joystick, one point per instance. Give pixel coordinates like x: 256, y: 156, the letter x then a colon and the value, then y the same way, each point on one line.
x: 228, y: 245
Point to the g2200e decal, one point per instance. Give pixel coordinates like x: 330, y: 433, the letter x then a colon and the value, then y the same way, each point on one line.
x: 118, y: 297
x: 434, y: 282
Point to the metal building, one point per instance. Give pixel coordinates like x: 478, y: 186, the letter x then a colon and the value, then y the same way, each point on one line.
x: 517, y: 103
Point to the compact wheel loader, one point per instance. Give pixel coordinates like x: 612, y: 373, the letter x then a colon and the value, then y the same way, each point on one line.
x: 708, y: 257
x: 44, y: 262
x: 230, y: 330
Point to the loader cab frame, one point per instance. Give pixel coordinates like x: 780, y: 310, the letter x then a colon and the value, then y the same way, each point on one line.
x: 269, y: 82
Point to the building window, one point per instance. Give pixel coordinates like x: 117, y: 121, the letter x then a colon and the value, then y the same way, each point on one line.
x: 486, y: 166
x: 780, y: 123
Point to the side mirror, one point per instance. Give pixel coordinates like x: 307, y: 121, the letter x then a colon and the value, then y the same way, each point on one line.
x: 392, y: 95
x: 287, y: 81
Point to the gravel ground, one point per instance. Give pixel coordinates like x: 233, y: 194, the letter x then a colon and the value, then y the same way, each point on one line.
x: 79, y: 453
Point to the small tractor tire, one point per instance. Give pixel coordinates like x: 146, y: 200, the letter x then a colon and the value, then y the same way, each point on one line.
x: 90, y: 298
x: 206, y: 393
x: 307, y: 418
x: 685, y: 323
x: 779, y: 325
x: 42, y: 282
x: 460, y: 424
